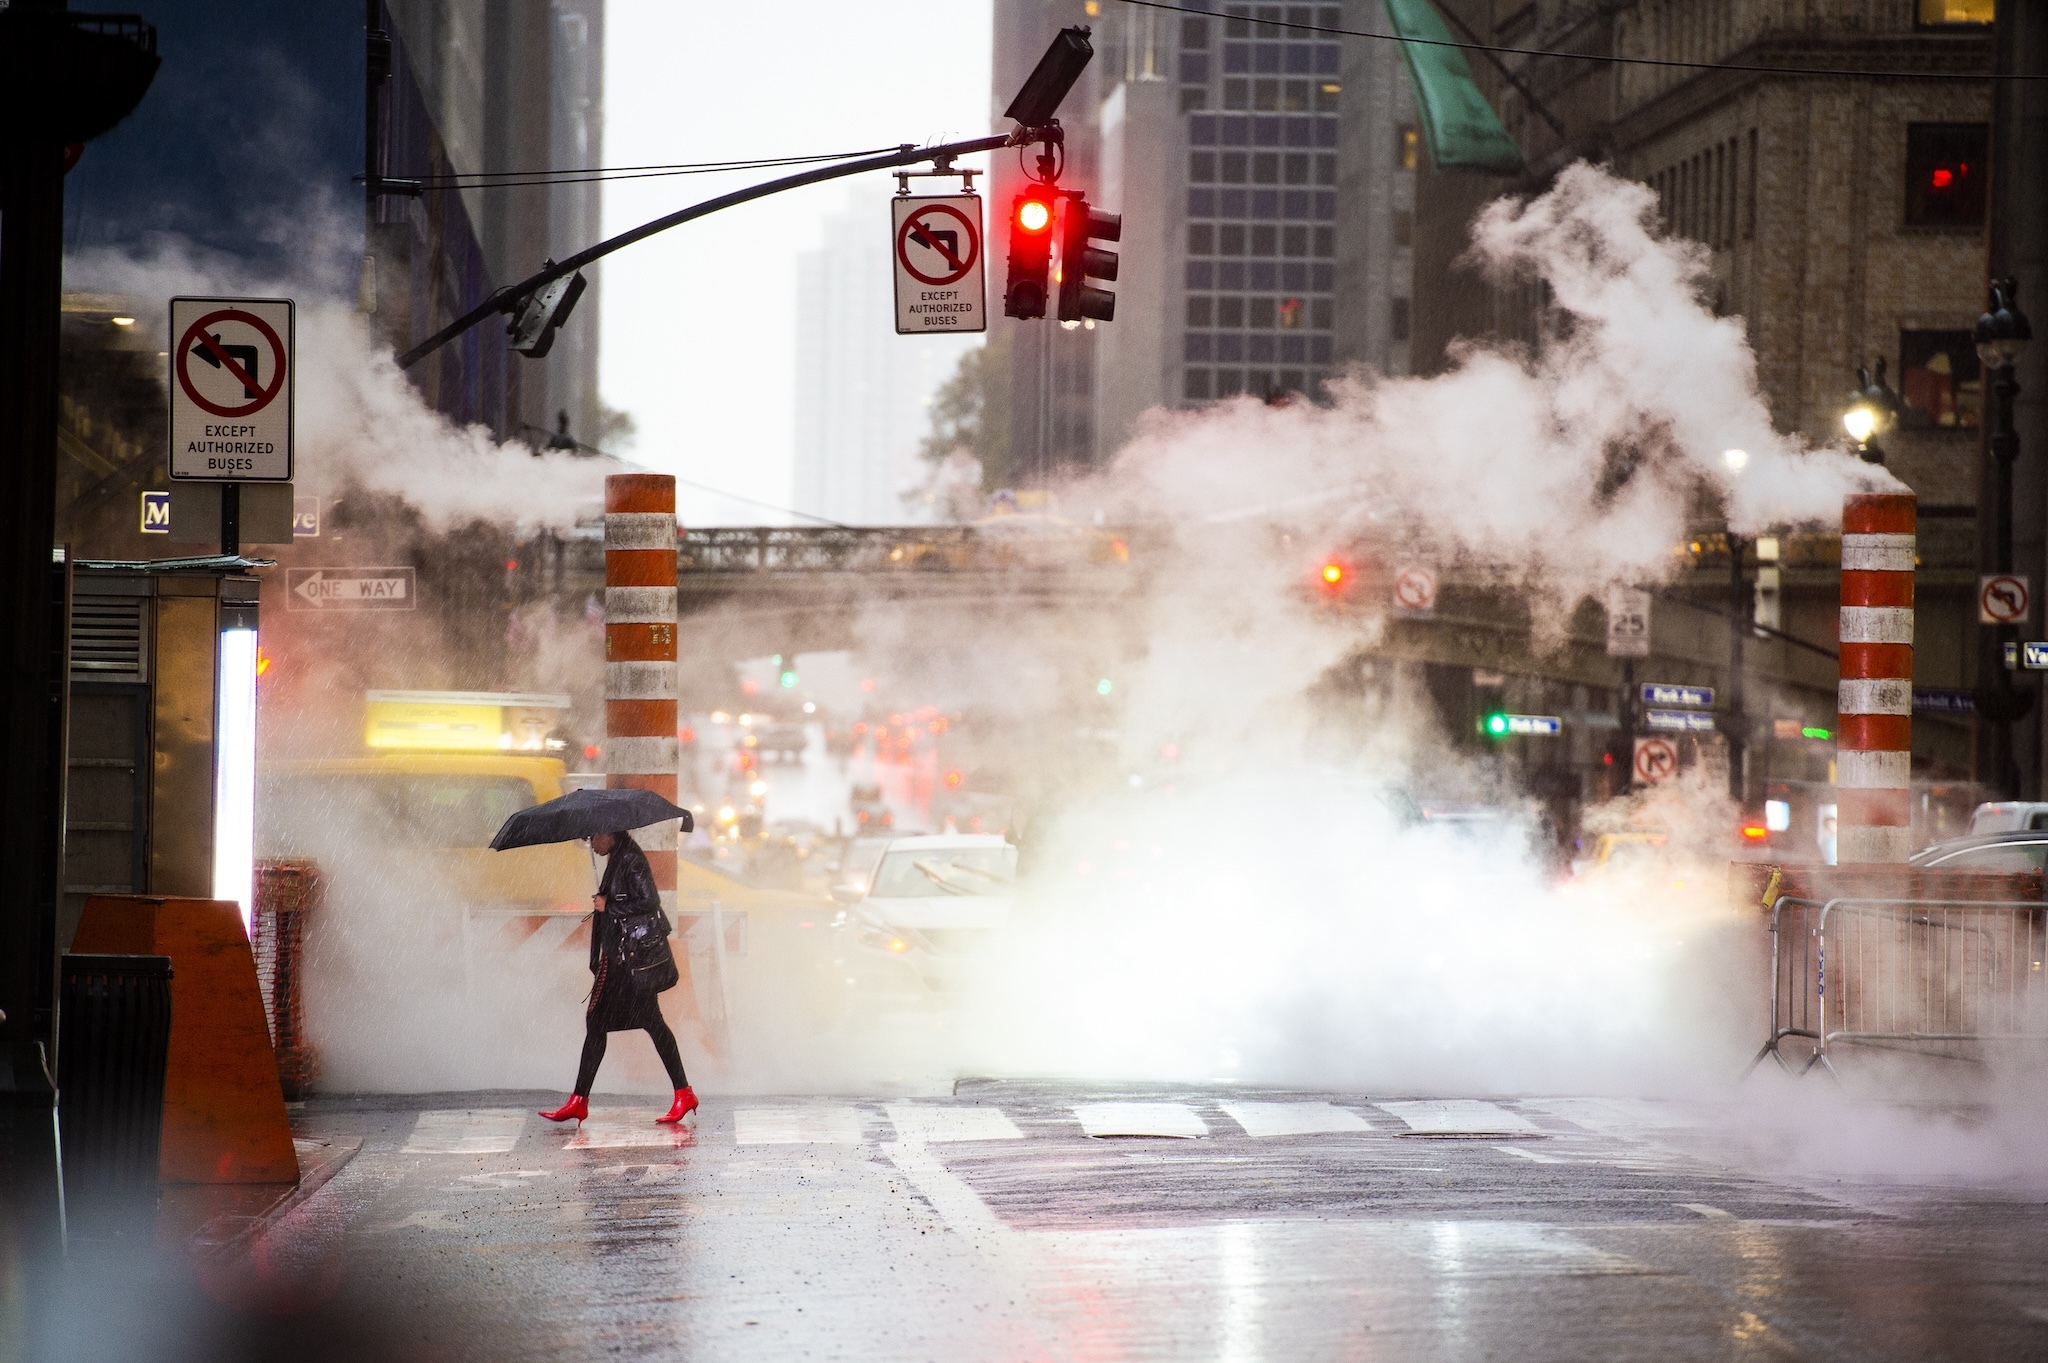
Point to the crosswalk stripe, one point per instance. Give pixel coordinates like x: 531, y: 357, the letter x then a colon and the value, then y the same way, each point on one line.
x: 617, y: 1130
x: 924, y: 1122
x: 1140, y: 1119
x: 466, y: 1131
x: 1294, y: 1119
x: 796, y: 1126
x: 1457, y: 1117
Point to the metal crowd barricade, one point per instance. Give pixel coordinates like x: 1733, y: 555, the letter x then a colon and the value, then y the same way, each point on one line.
x: 1938, y: 977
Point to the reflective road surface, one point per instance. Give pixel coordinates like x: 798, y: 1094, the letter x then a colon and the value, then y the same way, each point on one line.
x: 1040, y: 1221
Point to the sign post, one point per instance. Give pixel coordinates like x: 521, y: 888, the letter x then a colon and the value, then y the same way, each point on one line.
x: 231, y: 384
x: 936, y: 248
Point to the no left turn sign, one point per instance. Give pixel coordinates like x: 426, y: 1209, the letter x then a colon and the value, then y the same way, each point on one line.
x: 2002, y: 599
x: 936, y: 248
x: 1656, y: 760
x: 1415, y: 591
x: 231, y: 389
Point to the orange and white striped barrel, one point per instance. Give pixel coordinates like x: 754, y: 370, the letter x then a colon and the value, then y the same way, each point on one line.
x: 640, y: 653
x: 1874, y: 738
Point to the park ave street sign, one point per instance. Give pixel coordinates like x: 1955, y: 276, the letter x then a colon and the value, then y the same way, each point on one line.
x: 936, y: 246
x: 231, y: 389
x: 351, y: 589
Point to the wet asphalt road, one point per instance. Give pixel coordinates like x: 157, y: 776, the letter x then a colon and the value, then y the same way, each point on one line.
x: 992, y: 1225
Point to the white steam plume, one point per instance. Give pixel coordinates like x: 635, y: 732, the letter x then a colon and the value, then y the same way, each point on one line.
x: 1572, y: 465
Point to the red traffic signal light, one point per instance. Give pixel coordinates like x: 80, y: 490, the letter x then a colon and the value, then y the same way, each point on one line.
x: 1024, y: 294
x: 1080, y: 262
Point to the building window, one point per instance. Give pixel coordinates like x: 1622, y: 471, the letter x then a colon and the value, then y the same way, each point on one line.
x: 1230, y: 312
x: 1407, y: 146
x: 1400, y: 319
x: 1200, y: 310
x: 1266, y: 168
x: 1297, y: 168
x: 1202, y: 167
x: 1194, y: 33
x: 1326, y: 170
x: 1229, y: 382
x: 1193, y: 98
x: 1940, y: 383
x: 1945, y: 174
x: 1294, y: 241
x: 1262, y: 311
x: 1233, y: 167
x: 1237, y: 93
x: 1197, y: 388
x: 1954, y: 13
x: 1327, y: 95
x: 1321, y: 314
x: 1264, y: 241
x: 1293, y: 312
x: 1266, y: 94
x: 1326, y: 242
x: 1201, y: 239
x: 1232, y: 243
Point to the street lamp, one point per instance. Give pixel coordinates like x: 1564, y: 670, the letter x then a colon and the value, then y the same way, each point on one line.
x: 2001, y: 334
x: 1873, y: 411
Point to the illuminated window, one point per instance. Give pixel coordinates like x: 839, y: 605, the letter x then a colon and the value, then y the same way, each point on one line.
x: 1945, y: 179
x: 1293, y: 312
x: 1951, y: 13
x: 1407, y: 146
x: 1939, y: 379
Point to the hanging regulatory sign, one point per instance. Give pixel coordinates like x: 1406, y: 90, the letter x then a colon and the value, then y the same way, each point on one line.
x: 936, y: 245
x: 231, y: 389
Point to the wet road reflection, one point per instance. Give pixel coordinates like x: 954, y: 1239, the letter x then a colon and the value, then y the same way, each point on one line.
x: 1028, y: 1221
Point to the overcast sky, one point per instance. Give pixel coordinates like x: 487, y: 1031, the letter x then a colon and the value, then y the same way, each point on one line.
x: 699, y: 323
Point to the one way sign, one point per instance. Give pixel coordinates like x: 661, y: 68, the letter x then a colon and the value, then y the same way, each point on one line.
x: 351, y: 589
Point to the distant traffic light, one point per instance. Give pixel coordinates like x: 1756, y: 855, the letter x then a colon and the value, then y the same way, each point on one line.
x: 1030, y: 253
x: 1494, y: 725
x: 788, y: 677
x: 1081, y: 262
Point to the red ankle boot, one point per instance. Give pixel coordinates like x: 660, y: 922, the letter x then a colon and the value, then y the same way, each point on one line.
x: 576, y: 1109
x: 685, y: 1104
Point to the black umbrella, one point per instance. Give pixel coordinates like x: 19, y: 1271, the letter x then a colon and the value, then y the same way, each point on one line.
x: 581, y: 813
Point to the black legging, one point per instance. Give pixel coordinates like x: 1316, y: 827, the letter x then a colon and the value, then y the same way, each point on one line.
x: 593, y: 1055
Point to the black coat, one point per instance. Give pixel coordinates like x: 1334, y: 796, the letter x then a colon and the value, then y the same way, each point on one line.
x: 628, y: 888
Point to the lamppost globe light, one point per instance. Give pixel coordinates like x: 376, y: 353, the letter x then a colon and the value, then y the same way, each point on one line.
x: 1860, y: 422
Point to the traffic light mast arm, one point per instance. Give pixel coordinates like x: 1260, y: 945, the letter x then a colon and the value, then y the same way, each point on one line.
x: 507, y: 299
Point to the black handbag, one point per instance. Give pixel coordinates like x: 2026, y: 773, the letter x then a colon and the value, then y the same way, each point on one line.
x: 644, y: 949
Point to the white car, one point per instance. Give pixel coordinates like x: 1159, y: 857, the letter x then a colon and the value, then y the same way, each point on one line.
x: 933, y: 896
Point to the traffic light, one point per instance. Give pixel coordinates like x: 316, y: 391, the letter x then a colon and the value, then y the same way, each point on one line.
x: 542, y: 314
x: 1030, y: 253
x: 1081, y: 262
x: 1494, y: 724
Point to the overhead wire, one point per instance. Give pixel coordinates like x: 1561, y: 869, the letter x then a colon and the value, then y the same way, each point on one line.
x: 1613, y: 58
x: 508, y: 179
x: 555, y: 437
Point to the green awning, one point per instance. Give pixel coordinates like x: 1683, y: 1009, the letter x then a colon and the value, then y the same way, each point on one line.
x: 1464, y: 132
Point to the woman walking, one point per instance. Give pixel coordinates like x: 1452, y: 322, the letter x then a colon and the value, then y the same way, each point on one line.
x: 620, y: 999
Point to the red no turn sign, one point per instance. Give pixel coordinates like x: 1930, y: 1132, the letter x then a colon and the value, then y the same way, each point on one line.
x: 936, y: 246
x: 2002, y: 599
x: 231, y: 389
x: 1656, y: 760
x: 1415, y: 591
